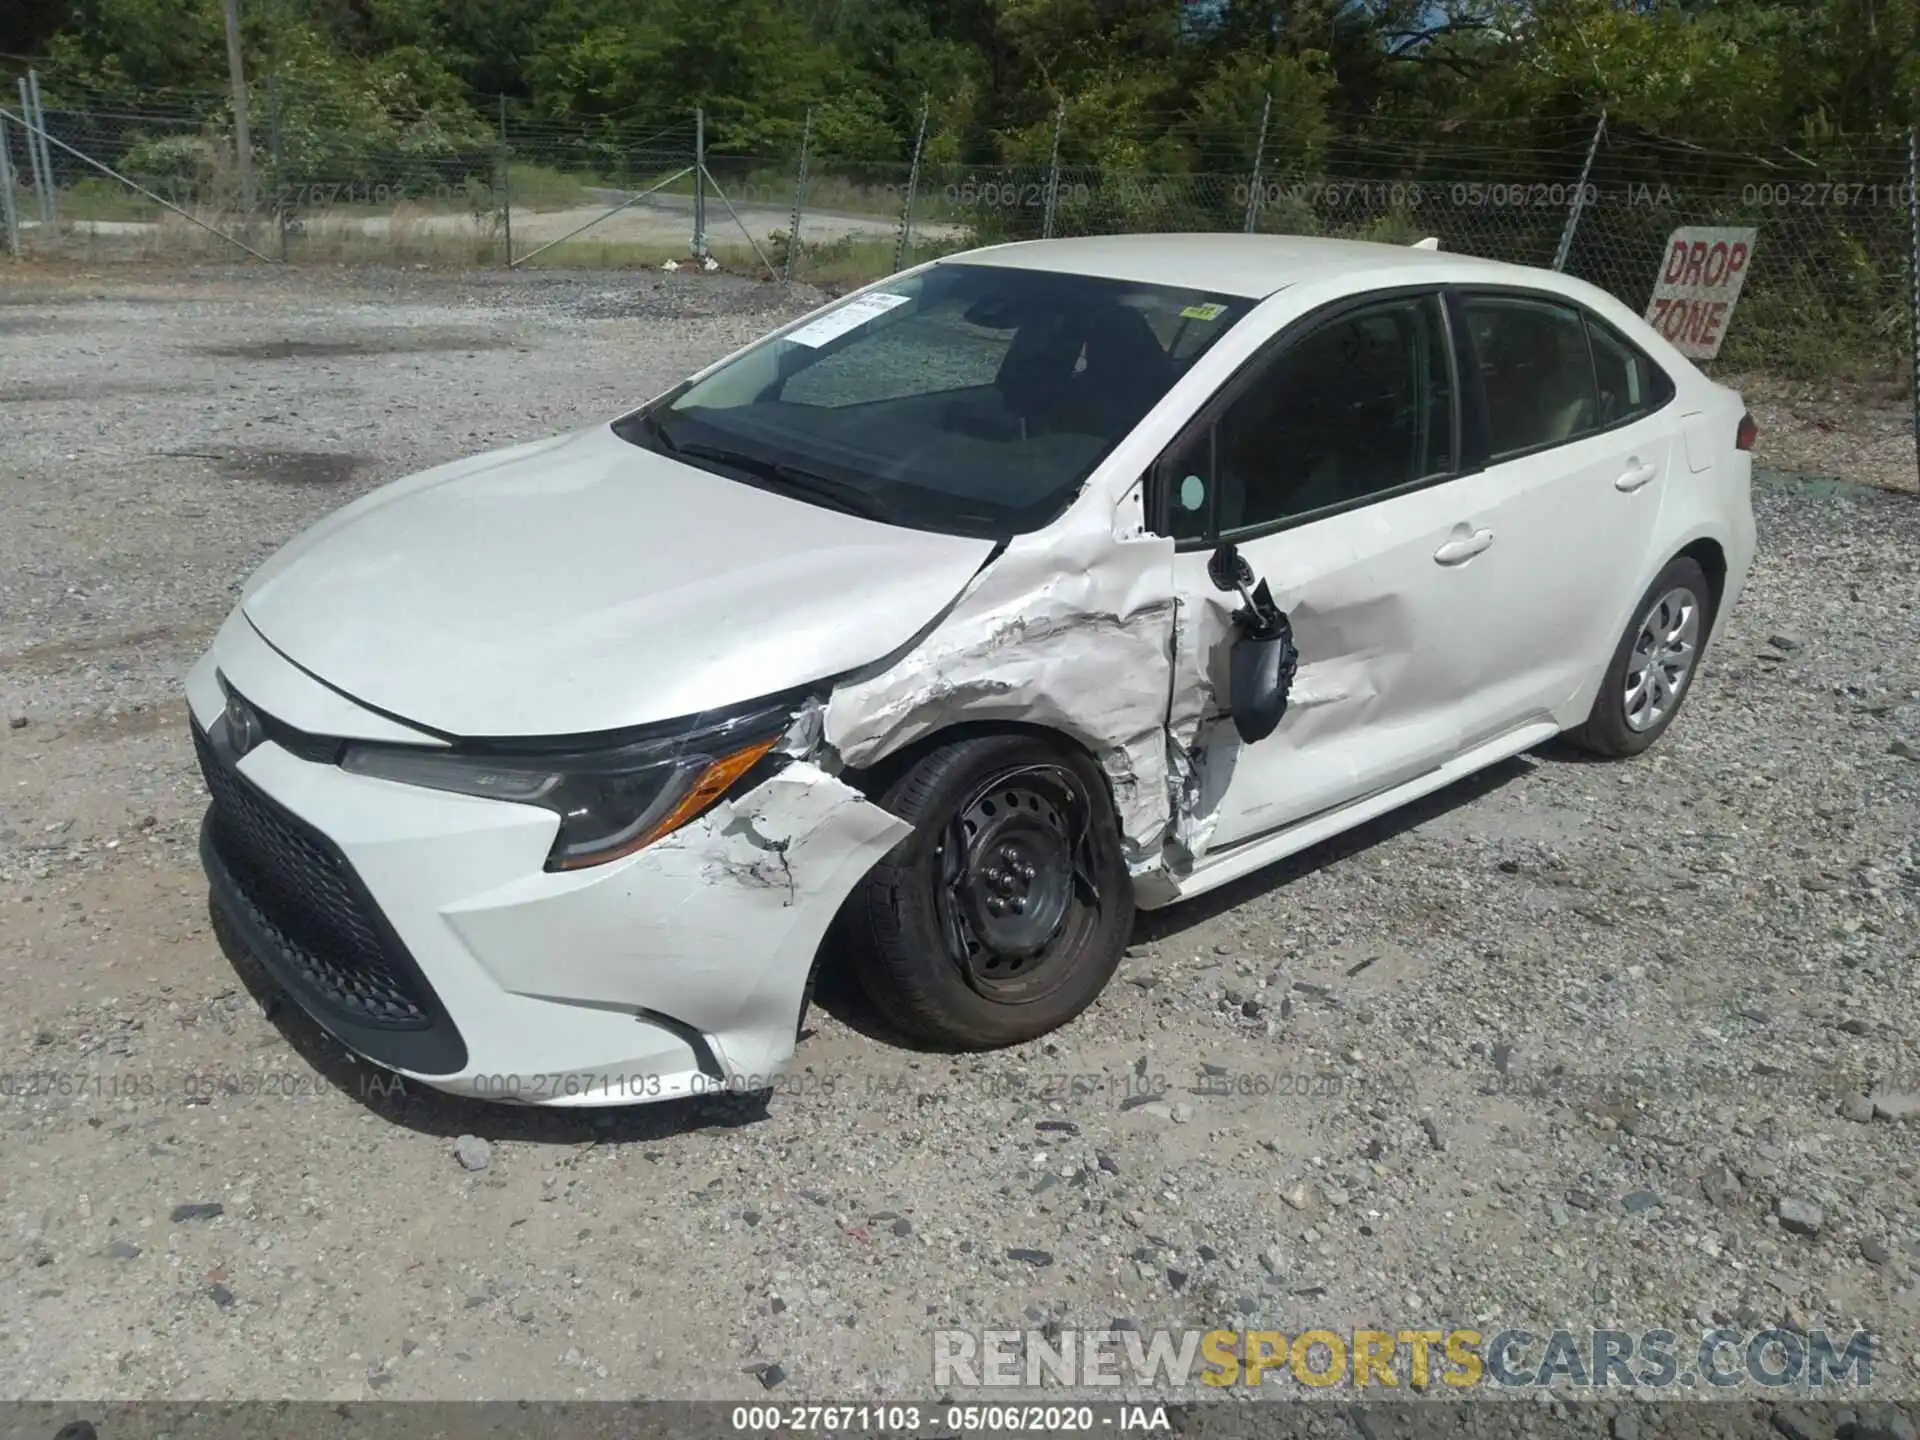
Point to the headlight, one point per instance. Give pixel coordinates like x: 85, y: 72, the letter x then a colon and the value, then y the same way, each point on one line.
x: 612, y: 800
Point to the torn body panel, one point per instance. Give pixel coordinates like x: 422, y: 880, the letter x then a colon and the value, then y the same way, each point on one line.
x: 715, y: 927
x: 1070, y: 630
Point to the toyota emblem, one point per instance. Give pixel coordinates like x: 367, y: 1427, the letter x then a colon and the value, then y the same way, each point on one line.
x: 243, y: 725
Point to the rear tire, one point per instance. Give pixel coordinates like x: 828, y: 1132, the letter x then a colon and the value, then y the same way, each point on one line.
x: 1005, y: 912
x: 1653, y: 666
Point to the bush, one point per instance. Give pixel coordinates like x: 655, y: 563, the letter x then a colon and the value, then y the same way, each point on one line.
x: 184, y: 168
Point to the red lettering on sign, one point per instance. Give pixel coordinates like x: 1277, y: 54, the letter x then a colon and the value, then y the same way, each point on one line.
x: 1699, y: 269
x: 1710, y: 330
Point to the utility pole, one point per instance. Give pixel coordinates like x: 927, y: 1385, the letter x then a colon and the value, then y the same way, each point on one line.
x: 237, y: 70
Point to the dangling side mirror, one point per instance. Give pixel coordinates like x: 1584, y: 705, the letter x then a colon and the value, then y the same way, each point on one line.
x: 1261, y: 666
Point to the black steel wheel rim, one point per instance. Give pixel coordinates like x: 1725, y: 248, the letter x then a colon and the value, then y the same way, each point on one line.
x: 1015, y: 884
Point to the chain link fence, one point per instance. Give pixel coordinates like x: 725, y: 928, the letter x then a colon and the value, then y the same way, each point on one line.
x: 1830, y: 291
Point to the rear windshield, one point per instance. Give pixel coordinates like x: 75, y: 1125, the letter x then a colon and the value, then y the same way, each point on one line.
x: 970, y: 399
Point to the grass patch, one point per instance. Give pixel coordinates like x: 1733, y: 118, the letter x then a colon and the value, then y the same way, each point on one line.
x: 94, y: 197
x: 855, y: 260
x: 827, y: 193
x: 541, y: 187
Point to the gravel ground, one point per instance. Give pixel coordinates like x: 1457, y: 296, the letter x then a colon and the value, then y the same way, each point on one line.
x: 1561, y: 1045
x: 1862, y: 431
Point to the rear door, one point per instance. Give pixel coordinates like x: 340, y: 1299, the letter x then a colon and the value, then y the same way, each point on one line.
x: 1576, y: 425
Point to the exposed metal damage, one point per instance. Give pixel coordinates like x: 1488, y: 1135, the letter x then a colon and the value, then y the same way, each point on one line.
x: 1199, y: 740
x: 1074, y: 634
x: 1095, y: 645
x: 738, y: 902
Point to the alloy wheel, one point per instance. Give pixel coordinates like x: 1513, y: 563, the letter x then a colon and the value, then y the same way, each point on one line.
x: 1664, y: 652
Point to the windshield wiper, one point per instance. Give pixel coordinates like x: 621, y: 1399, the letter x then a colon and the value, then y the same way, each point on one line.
x: 835, y: 493
x: 648, y: 424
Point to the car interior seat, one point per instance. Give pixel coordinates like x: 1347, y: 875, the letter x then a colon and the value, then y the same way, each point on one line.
x: 1564, y: 397
x: 1124, y: 371
x: 1038, y: 367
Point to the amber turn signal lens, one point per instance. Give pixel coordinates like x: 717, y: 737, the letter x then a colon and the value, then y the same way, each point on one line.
x: 714, y: 782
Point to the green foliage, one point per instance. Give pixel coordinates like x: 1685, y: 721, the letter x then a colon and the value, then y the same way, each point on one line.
x: 1155, y: 109
x: 1228, y: 106
x: 750, y: 63
x: 1144, y: 87
x: 329, y: 113
x: 176, y: 161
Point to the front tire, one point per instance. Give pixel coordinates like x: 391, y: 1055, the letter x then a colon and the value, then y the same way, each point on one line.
x: 1005, y: 912
x: 1653, y: 665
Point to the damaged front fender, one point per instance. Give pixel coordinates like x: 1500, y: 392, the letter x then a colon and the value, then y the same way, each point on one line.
x: 1071, y: 630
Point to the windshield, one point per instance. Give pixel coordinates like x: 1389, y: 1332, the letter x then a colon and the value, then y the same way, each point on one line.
x: 969, y: 399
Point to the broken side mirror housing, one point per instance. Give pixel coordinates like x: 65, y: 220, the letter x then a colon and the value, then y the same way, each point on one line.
x: 1261, y: 666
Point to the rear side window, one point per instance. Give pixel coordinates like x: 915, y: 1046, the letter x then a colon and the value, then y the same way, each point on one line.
x: 1536, y: 371
x: 1630, y: 384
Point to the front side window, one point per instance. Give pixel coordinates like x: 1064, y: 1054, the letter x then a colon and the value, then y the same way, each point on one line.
x: 970, y: 399
x: 1358, y: 406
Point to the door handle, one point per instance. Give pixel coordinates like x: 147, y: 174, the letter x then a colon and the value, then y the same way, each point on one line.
x: 1635, y: 476
x: 1454, y: 552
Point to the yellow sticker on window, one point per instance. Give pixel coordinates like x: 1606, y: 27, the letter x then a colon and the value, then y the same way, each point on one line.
x: 1203, y: 312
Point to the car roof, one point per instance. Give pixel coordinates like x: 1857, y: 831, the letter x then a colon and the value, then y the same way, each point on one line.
x: 1252, y: 266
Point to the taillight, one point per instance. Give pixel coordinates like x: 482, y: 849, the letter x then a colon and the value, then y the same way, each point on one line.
x: 1748, y: 433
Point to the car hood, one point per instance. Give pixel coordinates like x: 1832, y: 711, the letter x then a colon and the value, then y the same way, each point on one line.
x: 582, y: 583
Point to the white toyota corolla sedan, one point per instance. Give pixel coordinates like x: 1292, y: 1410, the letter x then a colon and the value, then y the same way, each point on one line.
x: 942, y: 628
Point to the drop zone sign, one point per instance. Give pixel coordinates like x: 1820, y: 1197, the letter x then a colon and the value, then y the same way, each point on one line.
x: 1699, y: 282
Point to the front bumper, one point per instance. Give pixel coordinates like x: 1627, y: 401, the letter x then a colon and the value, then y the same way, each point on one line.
x: 422, y: 930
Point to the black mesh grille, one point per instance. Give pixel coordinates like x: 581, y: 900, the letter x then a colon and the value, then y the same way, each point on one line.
x: 307, y: 902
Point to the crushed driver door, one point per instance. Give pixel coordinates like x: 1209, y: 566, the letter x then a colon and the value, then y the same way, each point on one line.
x: 1331, y: 465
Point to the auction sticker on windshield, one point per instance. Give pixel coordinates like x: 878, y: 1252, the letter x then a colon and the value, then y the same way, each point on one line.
x: 850, y: 316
